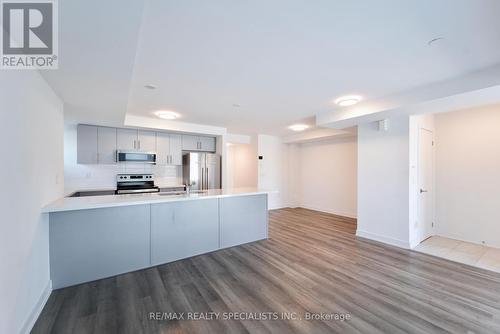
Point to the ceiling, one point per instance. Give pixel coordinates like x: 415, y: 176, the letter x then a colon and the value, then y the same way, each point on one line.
x: 259, y: 66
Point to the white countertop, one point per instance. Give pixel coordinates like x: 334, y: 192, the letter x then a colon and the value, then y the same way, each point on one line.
x: 108, y: 201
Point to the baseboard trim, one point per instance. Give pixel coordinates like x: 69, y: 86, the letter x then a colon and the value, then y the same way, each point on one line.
x: 37, y: 309
x: 337, y: 213
x: 381, y: 238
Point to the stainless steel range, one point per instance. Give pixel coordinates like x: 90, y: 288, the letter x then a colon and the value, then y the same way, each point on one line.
x: 135, y: 183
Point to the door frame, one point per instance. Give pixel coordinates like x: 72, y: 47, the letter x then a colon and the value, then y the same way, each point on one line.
x: 433, y: 182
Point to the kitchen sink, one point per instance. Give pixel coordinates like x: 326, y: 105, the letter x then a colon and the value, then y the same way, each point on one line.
x: 178, y: 193
x: 172, y: 193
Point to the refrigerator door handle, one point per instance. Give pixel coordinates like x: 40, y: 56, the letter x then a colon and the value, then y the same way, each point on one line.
x: 202, y: 184
x: 206, y: 178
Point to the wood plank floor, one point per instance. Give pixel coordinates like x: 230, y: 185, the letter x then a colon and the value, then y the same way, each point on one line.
x: 312, y: 263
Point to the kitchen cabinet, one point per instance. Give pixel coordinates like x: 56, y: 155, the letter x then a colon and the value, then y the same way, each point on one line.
x: 198, y: 143
x: 96, y: 144
x: 86, y: 144
x: 242, y: 219
x: 190, y: 143
x: 126, y: 139
x: 162, y: 148
x: 106, y: 145
x: 168, y: 149
x: 183, y: 229
x: 146, y: 141
x: 175, y: 149
x: 89, y: 243
x: 86, y: 245
x: 207, y: 144
x: 136, y: 140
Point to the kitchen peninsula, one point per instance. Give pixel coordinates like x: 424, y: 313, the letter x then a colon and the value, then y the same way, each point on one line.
x: 101, y: 236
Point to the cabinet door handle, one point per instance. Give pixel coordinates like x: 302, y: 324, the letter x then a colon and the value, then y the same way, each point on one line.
x: 139, y: 144
x: 134, y: 145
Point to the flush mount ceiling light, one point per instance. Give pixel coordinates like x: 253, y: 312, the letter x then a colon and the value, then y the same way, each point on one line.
x: 348, y: 100
x: 298, y: 127
x: 150, y: 86
x: 166, y: 114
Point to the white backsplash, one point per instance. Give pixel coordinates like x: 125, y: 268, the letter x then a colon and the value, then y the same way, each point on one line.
x: 80, y: 177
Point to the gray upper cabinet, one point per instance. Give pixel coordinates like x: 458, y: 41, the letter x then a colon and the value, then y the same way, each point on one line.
x: 86, y: 144
x: 190, y: 143
x: 106, y: 145
x: 176, y: 150
x: 207, y: 144
x: 168, y: 149
x: 127, y: 139
x: 96, y: 144
x: 197, y: 143
x: 146, y: 141
x: 136, y: 140
x: 162, y: 148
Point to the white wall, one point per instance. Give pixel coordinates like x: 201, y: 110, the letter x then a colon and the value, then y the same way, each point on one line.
x: 318, y: 175
x: 294, y: 176
x: 273, y: 169
x: 327, y: 176
x: 383, y: 182
x: 31, y: 130
x: 468, y: 175
x: 79, y: 177
x: 242, y: 165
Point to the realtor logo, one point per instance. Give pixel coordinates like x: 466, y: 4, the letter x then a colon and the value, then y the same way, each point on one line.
x: 29, y: 37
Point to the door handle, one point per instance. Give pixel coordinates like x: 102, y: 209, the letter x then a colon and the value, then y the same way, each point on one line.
x: 206, y: 178
x: 423, y: 190
x: 202, y: 178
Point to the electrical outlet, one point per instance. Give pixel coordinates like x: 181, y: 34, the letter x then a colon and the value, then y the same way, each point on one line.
x: 88, y: 175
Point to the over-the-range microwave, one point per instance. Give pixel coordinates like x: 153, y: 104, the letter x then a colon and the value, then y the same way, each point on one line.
x: 136, y: 156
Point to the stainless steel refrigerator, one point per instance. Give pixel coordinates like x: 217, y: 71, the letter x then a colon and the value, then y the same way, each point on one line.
x: 201, y: 170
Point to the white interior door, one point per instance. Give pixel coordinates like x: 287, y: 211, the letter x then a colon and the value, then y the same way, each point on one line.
x: 425, y: 191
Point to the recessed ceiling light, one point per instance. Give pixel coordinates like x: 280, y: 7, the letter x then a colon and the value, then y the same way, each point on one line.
x: 298, y: 127
x: 348, y: 100
x: 166, y: 114
x: 150, y: 86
